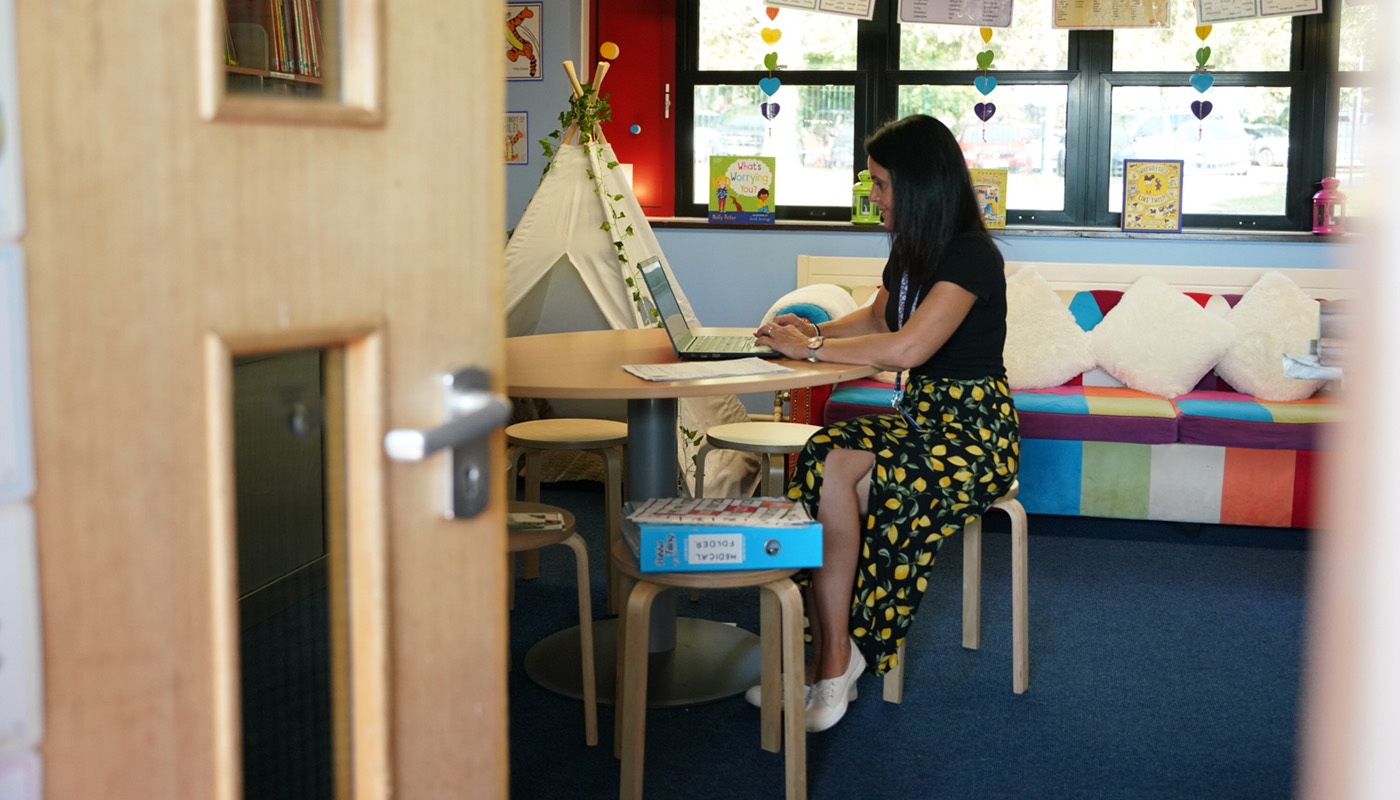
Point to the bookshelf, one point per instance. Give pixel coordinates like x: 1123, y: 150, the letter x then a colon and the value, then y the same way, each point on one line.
x: 273, y: 47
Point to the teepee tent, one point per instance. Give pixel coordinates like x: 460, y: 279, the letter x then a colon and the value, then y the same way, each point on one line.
x: 568, y: 265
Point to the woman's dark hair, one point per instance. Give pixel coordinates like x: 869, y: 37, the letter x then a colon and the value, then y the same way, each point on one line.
x: 933, y: 198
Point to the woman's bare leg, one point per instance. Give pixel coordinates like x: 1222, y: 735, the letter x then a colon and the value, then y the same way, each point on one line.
x: 845, y: 486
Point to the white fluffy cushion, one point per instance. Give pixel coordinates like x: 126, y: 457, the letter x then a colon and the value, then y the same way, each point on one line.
x: 1044, y: 345
x: 1274, y: 317
x: 1159, y: 340
x: 827, y: 298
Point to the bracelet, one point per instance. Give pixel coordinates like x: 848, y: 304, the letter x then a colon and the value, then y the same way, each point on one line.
x: 816, y: 328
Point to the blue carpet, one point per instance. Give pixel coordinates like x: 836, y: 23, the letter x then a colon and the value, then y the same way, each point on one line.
x: 1165, y: 663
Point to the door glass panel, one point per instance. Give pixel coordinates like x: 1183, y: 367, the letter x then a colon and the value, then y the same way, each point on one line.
x: 290, y: 565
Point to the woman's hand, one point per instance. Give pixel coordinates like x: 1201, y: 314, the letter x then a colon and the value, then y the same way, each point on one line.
x: 807, y: 328
x: 786, y: 334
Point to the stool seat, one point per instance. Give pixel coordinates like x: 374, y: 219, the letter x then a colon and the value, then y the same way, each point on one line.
x: 780, y: 657
x: 762, y: 437
x: 567, y: 433
x: 765, y: 438
x: 607, y: 438
x: 520, y: 540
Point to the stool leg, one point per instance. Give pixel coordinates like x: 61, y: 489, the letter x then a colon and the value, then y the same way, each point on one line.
x: 632, y: 709
x: 626, y: 584
x: 1020, y: 596
x: 534, y: 463
x: 612, y: 514
x: 894, y: 678
x: 790, y: 600
x: 700, y: 468
x: 770, y: 662
x: 585, y: 624
x: 972, y: 585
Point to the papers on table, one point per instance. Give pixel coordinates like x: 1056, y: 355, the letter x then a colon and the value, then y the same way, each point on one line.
x: 692, y: 370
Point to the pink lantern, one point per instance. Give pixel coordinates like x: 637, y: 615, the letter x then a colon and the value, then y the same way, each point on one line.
x: 1329, y: 208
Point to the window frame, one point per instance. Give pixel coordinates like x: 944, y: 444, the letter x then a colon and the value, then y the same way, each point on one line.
x: 1312, y: 78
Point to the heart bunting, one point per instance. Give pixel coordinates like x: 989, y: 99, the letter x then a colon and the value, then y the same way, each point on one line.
x: 1201, y: 108
x: 984, y: 83
x: 769, y: 110
x: 984, y: 111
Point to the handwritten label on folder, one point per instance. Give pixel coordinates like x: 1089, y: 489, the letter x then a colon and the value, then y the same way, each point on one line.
x: 715, y: 548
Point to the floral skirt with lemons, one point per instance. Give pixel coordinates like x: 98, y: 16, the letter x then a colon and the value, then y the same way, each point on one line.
x: 928, y: 482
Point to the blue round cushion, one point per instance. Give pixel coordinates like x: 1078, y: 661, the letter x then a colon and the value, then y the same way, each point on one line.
x: 808, y: 311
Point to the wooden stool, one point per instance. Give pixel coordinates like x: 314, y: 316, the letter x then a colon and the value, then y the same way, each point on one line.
x: 605, y: 437
x: 767, y: 438
x: 780, y: 635
x: 518, y: 541
x: 972, y: 597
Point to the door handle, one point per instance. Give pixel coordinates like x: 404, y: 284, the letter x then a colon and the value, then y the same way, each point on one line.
x: 473, y: 412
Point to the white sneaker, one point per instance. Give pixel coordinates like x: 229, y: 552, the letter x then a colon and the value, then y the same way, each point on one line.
x: 828, y: 699
x: 754, y: 694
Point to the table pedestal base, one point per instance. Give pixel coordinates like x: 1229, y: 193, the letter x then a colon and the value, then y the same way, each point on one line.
x: 711, y: 661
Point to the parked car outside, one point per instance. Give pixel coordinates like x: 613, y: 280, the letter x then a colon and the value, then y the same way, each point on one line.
x: 1219, y: 146
x: 994, y: 146
x: 1268, y: 144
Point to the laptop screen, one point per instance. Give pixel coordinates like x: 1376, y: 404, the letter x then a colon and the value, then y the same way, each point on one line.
x: 665, y: 300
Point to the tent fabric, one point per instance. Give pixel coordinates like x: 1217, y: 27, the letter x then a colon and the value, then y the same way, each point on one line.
x: 572, y: 222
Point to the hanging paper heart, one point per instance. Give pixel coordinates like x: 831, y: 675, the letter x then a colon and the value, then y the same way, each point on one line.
x: 768, y: 110
x: 985, y: 83
x: 986, y: 34
x: 771, y: 61
x: 1202, y: 55
x: 772, y: 12
x: 771, y: 35
x: 1202, y: 31
x: 1202, y: 81
x: 984, y: 59
x: 984, y: 111
x: 769, y: 85
x: 1201, y: 108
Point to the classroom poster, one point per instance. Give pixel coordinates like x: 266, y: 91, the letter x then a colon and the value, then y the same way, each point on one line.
x: 1151, y: 195
x: 1107, y: 14
x: 1209, y: 12
x: 990, y: 187
x: 742, y: 189
x: 981, y: 13
x: 517, y: 137
x: 524, y: 41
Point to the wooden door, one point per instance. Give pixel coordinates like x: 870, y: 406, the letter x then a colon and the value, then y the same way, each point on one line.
x: 161, y: 247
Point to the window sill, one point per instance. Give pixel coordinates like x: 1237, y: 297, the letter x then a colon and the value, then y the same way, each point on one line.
x: 1193, y: 234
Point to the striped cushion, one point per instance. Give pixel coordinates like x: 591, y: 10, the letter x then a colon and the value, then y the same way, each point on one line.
x: 1230, y: 419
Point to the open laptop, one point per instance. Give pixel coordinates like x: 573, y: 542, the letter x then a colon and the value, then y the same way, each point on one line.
x: 688, y: 345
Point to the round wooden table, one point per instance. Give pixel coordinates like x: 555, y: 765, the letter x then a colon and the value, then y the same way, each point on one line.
x: 694, y: 660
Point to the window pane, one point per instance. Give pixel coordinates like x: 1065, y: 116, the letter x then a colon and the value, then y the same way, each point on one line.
x: 1026, y: 135
x: 1355, y: 113
x: 1358, y: 45
x: 1029, y: 44
x: 813, y: 138
x: 1220, y: 175
x: 1252, y: 46
x: 729, y: 38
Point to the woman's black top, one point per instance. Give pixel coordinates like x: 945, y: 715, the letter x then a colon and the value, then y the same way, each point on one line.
x: 974, y: 350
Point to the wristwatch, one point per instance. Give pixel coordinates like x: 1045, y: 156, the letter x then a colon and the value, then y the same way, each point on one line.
x: 813, y: 345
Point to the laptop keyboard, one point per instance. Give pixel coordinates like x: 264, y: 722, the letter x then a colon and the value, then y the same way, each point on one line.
x: 722, y: 344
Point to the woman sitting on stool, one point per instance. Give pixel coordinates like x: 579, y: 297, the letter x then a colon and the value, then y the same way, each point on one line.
x: 888, y: 488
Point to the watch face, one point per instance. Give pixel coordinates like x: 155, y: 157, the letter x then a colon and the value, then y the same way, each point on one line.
x: 815, y: 342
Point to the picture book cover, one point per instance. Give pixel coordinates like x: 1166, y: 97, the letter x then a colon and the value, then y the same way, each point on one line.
x: 1152, y: 195
x: 742, y: 189
x: 990, y: 187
